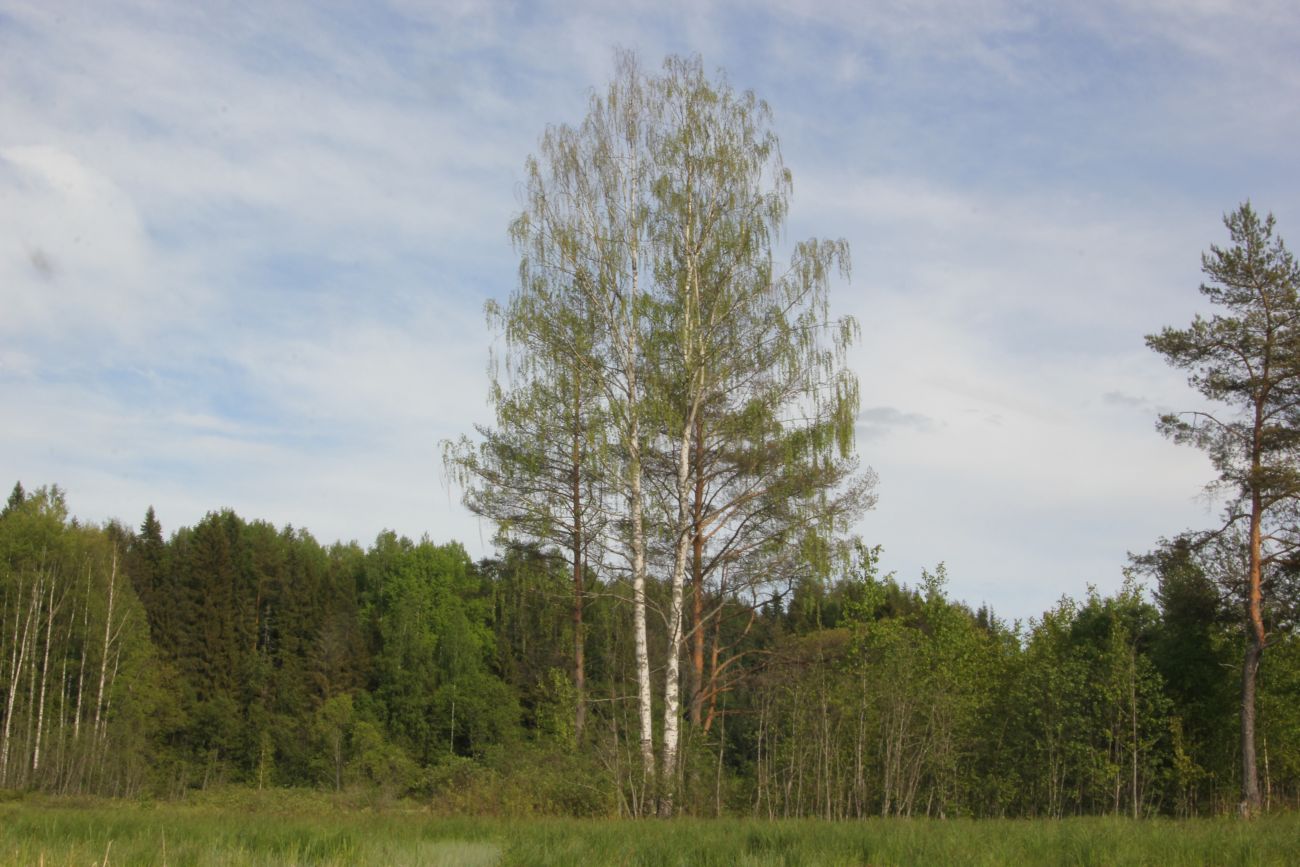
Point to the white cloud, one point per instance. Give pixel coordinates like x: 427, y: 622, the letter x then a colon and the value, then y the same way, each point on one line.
x: 1005, y: 322
x: 243, y: 252
x: 76, y: 260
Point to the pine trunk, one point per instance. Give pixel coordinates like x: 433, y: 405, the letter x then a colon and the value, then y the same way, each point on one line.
x: 1255, y: 638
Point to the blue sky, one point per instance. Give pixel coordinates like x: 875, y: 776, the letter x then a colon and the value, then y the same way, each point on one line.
x: 244, y: 248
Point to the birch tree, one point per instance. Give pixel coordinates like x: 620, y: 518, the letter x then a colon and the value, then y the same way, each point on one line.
x: 649, y: 321
x: 584, y: 241
x: 739, y: 347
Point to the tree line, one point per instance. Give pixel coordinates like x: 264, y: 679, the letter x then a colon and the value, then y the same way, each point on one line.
x: 135, y: 663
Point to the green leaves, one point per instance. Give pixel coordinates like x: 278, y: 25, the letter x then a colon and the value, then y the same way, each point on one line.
x: 1247, y: 357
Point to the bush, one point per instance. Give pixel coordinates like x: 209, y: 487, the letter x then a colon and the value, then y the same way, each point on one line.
x: 522, y: 783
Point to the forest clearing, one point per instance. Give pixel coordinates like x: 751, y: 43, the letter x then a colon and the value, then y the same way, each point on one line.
x: 252, y: 828
x: 691, y: 447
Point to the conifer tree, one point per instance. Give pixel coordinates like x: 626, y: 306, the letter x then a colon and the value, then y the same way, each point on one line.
x: 16, y: 498
x: 1247, y: 358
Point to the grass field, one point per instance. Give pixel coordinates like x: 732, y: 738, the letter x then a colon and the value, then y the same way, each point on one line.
x: 307, y: 830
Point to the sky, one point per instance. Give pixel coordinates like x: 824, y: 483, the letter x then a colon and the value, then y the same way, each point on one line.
x: 245, y: 247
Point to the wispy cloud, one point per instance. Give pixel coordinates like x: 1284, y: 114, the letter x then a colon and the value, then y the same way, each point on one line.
x: 1126, y: 401
x: 878, y: 421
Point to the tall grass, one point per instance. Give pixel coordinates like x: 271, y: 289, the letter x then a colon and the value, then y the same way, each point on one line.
x: 316, y: 830
x: 899, y: 841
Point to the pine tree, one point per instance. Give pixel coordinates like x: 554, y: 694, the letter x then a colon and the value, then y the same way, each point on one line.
x: 1247, y: 358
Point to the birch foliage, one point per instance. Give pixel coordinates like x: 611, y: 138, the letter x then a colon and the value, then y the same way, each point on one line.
x: 668, y: 393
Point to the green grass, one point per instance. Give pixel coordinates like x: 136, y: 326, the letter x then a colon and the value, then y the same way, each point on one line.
x: 305, y: 829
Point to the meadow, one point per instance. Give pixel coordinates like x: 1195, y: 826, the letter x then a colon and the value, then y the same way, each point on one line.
x: 278, y: 828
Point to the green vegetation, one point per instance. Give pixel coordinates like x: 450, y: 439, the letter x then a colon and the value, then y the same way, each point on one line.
x: 677, y: 622
x: 674, y: 401
x: 237, y: 653
x: 265, y: 830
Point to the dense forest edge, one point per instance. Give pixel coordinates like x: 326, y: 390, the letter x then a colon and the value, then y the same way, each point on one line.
x: 137, y: 664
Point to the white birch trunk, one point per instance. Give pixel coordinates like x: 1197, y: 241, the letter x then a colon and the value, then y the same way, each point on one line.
x: 29, y: 738
x: 672, y: 667
x: 81, y: 673
x: 15, y: 644
x: 45, y: 670
x: 63, y: 702
x: 644, y: 706
x: 15, y: 675
x: 692, y: 360
x: 108, y: 703
x: 108, y: 625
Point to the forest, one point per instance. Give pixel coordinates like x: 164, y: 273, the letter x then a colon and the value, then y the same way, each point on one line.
x: 679, y: 619
x: 236, y: 652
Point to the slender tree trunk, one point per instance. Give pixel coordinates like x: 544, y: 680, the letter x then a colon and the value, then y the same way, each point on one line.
x: 108, y: 698
x: 1250, y: 796
x: 760, y: 762
x: 697, y: 583
x: 717, y: 785
x: 795, y: 785
x: 715, y: 649
x: 1132, y: 700
x: 18, y: 657
x: 642, y: 648
x: 85, y: 651
x: 108, y: 625
x: 1268, y: 779
x: 672, y: 667
x: 579, y: 642
x: 45, y: 670
x: 693, y: 359
x: 32, y: 671
x: 1255, y: 638
x: 61, y: 756
x: 102, y: 732
x: 630, y: 792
